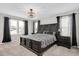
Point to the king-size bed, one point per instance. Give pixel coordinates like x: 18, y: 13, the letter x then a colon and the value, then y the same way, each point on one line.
x: 41, y: 41
x: 37, y: 42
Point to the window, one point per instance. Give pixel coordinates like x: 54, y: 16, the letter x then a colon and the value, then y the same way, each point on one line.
x: 65, y: 25
x: 21, y: 27
x: 13, y: 27
x: 35, y: 26
x: 16, y: 27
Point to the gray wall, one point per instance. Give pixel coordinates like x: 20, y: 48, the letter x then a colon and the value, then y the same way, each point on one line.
x: 49, y: 21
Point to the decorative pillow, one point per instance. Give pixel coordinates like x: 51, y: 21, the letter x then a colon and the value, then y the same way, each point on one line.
x: 50, y: 32
x: 45, y: 32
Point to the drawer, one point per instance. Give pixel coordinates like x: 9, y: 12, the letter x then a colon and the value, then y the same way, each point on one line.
x: 25, y: 42
x: 22, y: 41
x: 65, y: 44
x: 28, y: 43
x: 36, y: 45
x: 64, y: 39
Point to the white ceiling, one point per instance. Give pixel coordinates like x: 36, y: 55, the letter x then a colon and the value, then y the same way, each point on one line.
x: 43, y: 9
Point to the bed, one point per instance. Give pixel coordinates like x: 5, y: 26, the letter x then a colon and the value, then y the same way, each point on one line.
x: 39, y: 42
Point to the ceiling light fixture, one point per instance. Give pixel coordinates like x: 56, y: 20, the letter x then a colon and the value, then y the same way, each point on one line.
x: 31, y: 13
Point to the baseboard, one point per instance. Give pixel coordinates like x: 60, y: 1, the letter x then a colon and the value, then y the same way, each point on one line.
x: 1, y: 43
x: 77, y: 46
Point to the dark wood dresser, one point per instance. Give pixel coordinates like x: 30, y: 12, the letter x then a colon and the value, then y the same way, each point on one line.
x: 63, y: 41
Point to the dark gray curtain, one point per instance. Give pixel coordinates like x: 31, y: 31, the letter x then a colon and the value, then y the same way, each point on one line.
x: 58, y: 21
x: 74, y: 41
x: 6, y: 36
x: 33, y: 26
x: 38, y: 26
x: 26, y: 28
x: 58, y: 26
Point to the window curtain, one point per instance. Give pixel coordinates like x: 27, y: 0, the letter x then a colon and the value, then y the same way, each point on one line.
x: 6, y: 36
x: 36, y: 26
x: 26, y: 27
x: 58, y: 19
x: 66, y: 25
x: 33, y: 26
x: 74, y: 41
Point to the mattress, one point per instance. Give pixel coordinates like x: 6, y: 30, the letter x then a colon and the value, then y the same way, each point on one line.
x: 45, y: 39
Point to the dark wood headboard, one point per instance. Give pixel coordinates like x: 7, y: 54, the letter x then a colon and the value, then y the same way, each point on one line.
x: 47, y: 27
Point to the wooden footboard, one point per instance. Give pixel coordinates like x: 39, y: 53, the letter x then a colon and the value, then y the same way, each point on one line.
x: 34, y: 46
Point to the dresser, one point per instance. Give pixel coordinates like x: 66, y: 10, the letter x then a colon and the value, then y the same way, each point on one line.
x: 63, y: 41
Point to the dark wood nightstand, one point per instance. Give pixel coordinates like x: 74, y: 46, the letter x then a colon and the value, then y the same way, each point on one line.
x: 64, y: 41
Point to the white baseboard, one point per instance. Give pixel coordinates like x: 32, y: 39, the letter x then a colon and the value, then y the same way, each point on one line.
x: 1, y: 43
x: 77, y: 46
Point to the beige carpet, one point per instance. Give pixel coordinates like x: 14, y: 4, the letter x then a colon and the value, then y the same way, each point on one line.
x: 14, y: 49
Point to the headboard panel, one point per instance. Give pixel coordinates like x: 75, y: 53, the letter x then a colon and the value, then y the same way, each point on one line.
x: 47, y: 27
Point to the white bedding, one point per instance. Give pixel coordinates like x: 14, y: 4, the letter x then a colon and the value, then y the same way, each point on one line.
x: 45, y: 39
